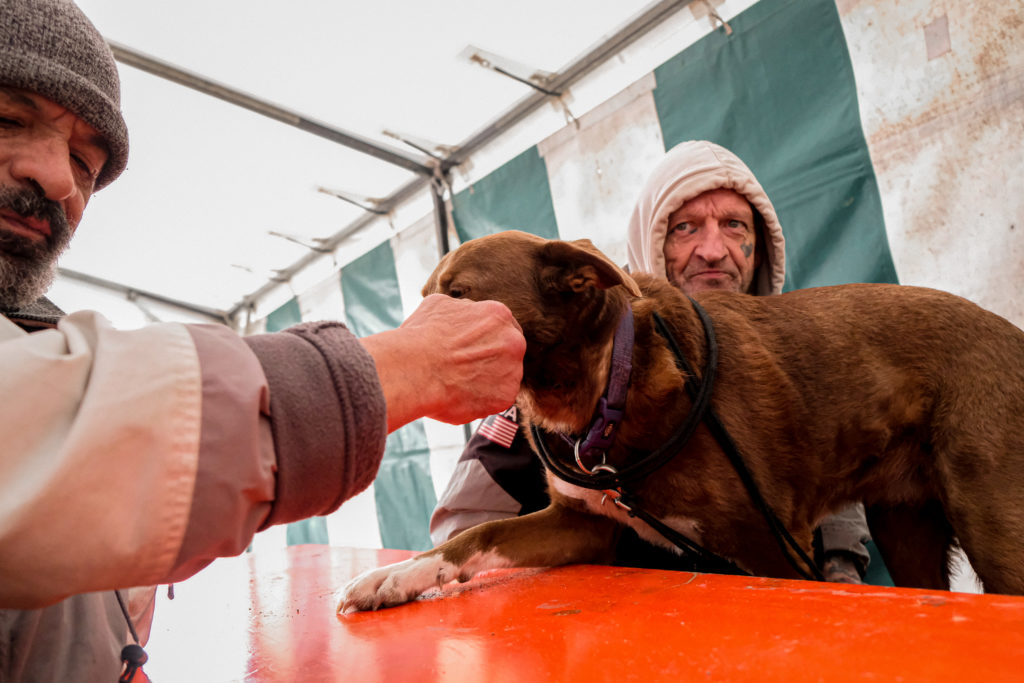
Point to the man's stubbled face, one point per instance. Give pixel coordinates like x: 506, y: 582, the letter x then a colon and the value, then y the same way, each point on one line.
x: 710, y: 243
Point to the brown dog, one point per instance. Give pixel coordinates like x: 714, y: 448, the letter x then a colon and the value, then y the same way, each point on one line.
x: 909, y: 399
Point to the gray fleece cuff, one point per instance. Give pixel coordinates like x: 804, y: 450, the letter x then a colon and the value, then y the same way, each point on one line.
x: 327, y: 414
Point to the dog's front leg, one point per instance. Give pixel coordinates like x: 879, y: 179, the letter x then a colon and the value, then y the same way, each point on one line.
x: 557, y: 535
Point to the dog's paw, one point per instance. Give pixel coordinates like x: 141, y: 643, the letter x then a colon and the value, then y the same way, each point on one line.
x: 395, y: 584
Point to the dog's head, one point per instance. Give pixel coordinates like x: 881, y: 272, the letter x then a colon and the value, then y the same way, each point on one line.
x: 566, y: 296
x: 541, y: 281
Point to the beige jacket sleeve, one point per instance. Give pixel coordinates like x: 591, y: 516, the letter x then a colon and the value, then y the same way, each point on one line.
x: 85, y: 406
x: 136, y: 457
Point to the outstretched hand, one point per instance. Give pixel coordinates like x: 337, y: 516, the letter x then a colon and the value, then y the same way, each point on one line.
x: 452, y: 360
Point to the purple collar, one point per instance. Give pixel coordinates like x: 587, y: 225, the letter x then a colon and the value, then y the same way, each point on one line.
x: 611, y: 405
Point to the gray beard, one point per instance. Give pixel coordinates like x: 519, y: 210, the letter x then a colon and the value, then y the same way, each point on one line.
x: 27, y: 266
x: 22, y: 282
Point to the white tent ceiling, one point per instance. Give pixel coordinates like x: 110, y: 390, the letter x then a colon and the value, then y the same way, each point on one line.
x: 208, y: 181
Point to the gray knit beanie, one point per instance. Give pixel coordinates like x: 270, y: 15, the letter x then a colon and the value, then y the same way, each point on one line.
x: 50, y: 48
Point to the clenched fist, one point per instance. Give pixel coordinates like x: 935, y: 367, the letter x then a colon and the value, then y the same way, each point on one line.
x: 452, y: 360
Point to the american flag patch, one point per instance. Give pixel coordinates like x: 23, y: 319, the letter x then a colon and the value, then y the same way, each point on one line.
x: 501, y: 428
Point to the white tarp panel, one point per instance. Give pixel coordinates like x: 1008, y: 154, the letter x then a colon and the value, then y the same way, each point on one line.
x: 941, y: 88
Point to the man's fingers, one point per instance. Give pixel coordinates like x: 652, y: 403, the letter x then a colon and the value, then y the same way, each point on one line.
x: 479, y: 348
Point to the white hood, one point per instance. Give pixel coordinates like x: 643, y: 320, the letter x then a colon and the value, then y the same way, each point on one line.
x: 689, y: 169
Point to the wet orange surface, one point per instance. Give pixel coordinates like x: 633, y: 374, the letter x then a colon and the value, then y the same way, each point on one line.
x: 271, y: 618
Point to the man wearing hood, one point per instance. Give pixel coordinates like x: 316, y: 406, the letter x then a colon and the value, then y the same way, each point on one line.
x: 704, y: 222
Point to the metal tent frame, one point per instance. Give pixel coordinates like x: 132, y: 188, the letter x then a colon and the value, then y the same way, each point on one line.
x: 431, y: 171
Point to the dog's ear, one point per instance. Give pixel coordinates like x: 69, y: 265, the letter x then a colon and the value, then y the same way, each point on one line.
x: 583, y: 266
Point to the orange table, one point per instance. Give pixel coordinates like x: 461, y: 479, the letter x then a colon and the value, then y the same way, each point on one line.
x: 271, y: 618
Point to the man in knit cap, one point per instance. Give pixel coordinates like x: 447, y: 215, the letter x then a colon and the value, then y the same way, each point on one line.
x: 133, y: 458
x: 705, y: 223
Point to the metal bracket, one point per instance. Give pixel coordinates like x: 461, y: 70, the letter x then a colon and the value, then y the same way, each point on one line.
x: 150, y: 316
x: 538, y: 79
x: 434, y: 150
x: 317, y: 246
x: 273, y: 275
x: 715, y: 15
x: 368, y: 204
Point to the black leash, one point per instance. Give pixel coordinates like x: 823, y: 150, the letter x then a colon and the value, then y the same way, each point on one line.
x: 613, y: 481
x: 721, y: 434
x: 704, y: 558
x: 605, y: 478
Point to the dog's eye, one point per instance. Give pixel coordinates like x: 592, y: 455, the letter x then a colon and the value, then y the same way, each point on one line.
x: 457, y: 292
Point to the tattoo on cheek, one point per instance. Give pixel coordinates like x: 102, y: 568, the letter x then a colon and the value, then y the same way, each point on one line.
x: 748, y: 249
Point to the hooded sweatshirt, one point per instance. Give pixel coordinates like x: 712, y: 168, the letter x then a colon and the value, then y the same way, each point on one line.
x: 689, y: 169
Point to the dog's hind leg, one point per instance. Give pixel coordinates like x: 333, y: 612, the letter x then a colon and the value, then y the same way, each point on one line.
x: 989, y: 525
x: 998, y: 565
x: 556, y: 535
x: 914, y: 541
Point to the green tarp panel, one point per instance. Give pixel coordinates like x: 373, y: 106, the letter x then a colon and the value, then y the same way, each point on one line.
x: 780, y: 93
x: 516, y: 196
x: 286, y: 315
x: 403, y: 489
x: 314, y: 529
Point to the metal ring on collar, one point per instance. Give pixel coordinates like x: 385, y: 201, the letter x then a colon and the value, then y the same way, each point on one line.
x: 602, y: 467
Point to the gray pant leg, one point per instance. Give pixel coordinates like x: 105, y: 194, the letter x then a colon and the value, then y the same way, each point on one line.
x: 847, y: 531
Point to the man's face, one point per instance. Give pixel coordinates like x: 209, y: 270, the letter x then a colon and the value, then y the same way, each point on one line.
x: 49, y: 162
x: 711, y: 242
